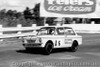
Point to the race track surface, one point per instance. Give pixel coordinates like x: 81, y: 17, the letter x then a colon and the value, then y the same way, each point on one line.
x: 13, y: 54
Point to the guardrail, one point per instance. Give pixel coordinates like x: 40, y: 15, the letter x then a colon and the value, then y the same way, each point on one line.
x: 19, y: 31
x: 85, y: 28
x: 80, y: 28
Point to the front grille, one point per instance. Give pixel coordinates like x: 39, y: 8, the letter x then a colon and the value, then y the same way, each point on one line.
x: 31, y: 41
x: 33, y: 45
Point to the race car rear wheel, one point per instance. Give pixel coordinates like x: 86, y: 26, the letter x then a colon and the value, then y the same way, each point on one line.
x: 74, y: 47
x: 48, y: 48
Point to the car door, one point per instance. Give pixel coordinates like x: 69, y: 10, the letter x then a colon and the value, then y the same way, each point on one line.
x: 69, y: 37
x: 59, y: 37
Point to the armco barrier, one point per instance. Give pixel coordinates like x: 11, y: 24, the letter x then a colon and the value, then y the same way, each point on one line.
x: 80, y: 28
x: 85, y: 28
x: 18, y: 29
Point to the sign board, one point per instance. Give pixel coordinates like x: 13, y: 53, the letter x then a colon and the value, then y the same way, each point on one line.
x: 70, y: 8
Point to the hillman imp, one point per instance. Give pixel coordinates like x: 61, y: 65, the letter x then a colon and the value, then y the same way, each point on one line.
x: 52, y: 37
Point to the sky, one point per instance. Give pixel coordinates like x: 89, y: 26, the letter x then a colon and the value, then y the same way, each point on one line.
x: 18, y: 5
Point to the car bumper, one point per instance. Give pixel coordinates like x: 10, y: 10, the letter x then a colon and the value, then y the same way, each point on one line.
x: 33, y: 45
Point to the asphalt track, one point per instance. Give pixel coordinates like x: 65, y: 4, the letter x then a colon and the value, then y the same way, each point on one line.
x: 13, y: 54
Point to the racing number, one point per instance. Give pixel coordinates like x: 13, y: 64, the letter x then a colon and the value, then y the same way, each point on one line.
x: 57, y: 43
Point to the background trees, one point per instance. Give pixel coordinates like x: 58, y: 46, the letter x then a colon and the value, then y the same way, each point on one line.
x: 32, y: 16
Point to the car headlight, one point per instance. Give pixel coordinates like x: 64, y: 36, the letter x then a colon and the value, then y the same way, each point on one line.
x: 39, y: 40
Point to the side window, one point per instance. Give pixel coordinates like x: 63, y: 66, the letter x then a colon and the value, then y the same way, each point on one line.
x: 60, y: 31
x: 69, y: 32
x: 51, y: 31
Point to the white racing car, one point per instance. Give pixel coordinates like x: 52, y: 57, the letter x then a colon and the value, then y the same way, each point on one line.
x: 52, y: 37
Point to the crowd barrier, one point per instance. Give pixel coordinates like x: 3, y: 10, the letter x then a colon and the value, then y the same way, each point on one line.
x: 20, y: 31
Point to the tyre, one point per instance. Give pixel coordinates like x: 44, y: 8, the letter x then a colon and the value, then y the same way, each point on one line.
x: 74, y: 47
x: 48, y: 48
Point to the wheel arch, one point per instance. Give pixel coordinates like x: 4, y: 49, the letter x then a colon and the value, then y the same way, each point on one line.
x: 75, y: 41
x: 50, y: 41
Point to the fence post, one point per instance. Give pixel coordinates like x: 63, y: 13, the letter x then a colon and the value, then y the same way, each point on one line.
x: 46, y: 25
x: 19, y: 26
x: 93, y: 22
x: 74, y: 22
x: 34, y: 25
x: 34, y: 31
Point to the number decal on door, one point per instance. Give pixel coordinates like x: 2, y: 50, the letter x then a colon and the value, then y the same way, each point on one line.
x: 57, y: 43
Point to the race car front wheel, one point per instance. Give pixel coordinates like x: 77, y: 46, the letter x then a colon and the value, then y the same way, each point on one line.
x: 48, y: 48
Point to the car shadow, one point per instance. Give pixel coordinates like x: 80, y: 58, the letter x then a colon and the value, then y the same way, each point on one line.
x: 31, y: 51
x: 40, y: 51
x: 61, y: 50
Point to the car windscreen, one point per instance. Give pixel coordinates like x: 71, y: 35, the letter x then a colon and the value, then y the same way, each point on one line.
x: 46, y: 31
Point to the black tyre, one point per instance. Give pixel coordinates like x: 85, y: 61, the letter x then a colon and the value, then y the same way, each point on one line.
x: 48, y: 48
x: 74, y: 47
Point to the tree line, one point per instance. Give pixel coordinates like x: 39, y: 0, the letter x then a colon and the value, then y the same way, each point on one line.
x: 32, y: 16
x: 10, y: 18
